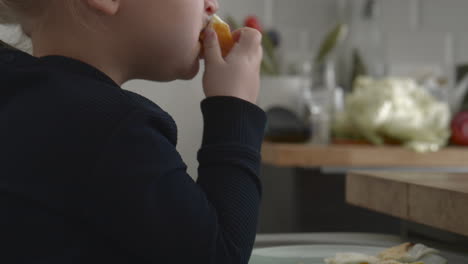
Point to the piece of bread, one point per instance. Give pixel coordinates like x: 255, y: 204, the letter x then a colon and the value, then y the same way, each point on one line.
x: 407, y: 253
x: 395, y: 253
x: 410, y: 253
x: 396, y: 262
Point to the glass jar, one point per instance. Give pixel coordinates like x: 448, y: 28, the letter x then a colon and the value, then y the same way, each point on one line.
x: 319, y: 99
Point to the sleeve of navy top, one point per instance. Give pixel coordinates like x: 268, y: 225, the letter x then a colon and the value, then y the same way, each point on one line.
x: 154, y: 210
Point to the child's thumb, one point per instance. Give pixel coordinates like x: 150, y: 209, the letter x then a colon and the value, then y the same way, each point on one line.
x: 212, y: 50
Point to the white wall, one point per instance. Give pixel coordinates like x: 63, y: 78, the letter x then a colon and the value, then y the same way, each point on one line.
x: 181, y: 99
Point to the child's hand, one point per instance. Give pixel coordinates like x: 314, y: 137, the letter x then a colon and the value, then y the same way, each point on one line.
x: 238, y: 74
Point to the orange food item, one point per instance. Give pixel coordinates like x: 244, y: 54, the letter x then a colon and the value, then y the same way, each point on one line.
x: 223, y: 31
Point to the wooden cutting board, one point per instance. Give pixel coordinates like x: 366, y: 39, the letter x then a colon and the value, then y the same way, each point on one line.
x: 358, y: 156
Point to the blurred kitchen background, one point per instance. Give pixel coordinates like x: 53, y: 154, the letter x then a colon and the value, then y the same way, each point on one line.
x: 323, y: 45
x: 402, y: 37
x: 318, y: 46
x: 428, y: 34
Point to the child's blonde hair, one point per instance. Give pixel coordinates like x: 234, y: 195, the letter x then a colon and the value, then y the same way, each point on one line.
x: 16, y: 11
x: 20, y: 16
x: 5, y: 12
x: 23, y: 15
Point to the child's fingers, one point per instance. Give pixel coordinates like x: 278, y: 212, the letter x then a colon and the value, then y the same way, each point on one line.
x: 236, y: 34
x: 212, y: 50
x: 248, y: 40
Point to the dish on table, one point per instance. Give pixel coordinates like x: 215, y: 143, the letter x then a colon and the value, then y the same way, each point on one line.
x: 406, y: 253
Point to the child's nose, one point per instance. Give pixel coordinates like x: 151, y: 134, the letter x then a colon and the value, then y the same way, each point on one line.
x: 211, y: 7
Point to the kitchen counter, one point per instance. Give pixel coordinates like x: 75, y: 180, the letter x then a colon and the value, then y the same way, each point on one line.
x: 361, y: 156
x: 435, y: 200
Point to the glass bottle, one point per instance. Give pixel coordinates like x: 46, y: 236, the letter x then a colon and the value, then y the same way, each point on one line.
x: 318, y: 98
x: 364, y: 51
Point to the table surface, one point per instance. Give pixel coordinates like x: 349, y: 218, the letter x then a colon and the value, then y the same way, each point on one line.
x: 437, y: 200
x: 359, y: 156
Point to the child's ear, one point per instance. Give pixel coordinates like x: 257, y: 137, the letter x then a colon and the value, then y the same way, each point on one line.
x: 107, y: 7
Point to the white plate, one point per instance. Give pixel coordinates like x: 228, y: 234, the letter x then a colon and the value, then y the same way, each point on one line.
x: 313, y: 254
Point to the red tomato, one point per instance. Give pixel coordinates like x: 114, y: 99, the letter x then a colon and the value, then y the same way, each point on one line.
x: 459, y: 128
x: 253, y: 22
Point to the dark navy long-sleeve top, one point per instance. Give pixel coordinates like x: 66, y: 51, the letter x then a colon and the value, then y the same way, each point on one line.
x: 89, y: 172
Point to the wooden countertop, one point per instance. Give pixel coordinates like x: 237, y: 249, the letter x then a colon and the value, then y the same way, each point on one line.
x: 437, y: 200
x: 359, y: 156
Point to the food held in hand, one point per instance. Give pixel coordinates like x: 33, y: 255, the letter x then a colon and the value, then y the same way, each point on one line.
x: 407, y: 253
x: 224, y: 34
x: 223, y: 31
